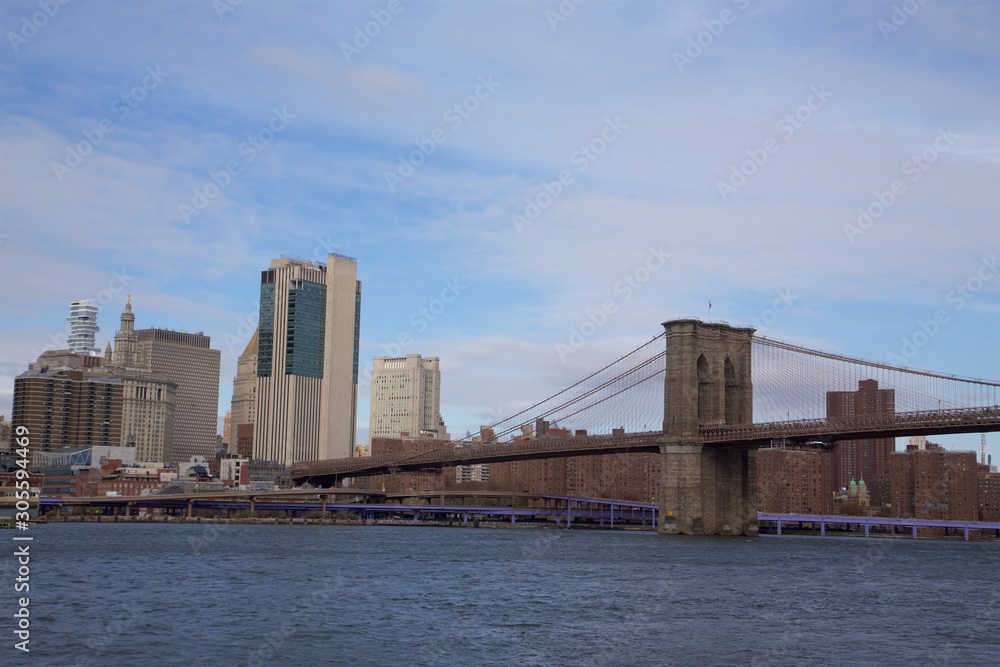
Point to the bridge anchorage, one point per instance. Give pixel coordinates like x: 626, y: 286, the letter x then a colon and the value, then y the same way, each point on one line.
x: 714, y: 394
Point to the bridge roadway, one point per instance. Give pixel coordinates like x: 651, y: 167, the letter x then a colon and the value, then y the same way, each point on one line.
x: 362, y: 502
x: 900, y: 424
x: 366, y: 495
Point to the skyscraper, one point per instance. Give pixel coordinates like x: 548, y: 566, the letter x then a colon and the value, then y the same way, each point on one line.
x: 406, y: 398
x: 188, y: 360
x: 307, y: 360
x: 863, y: 459
x: 148, y: 398
x: 244, y: 395
x: 83, y: 327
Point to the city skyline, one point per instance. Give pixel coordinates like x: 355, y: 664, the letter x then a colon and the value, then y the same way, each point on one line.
x: 528, y: 198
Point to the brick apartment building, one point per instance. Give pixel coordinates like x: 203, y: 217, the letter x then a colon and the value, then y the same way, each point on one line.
x: 935, y: 484
x: 862, y: 459
x: 633, y: 476
x: 989, y: 494
x: 407, y: 481
x: 794, y: 481
x: 63, y: 408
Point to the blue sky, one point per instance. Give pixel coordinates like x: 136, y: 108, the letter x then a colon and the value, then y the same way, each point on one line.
x: 670, y: 98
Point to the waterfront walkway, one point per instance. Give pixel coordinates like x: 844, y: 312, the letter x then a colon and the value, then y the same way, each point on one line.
x: 847, y: 521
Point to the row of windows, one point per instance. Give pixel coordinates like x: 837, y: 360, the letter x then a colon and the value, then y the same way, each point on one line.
x: 306, y: 327
x: 265, y: 336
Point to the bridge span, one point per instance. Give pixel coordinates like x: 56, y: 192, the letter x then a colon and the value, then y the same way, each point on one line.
x: 715, y: 393
x: 931, y: 422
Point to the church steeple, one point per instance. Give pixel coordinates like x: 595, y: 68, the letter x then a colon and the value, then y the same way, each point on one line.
x: 107, y: 354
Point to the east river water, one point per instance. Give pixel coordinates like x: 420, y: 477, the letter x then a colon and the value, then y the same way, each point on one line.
x: 196, y: 594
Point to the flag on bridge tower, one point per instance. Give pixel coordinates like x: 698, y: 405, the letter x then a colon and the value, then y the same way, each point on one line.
x: 709, y: 310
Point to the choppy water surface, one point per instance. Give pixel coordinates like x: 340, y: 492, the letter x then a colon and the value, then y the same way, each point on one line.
x: 115, y: 594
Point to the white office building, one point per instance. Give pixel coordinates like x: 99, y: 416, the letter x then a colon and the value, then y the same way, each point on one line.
x: 307, y: 360
x: 406, y: 398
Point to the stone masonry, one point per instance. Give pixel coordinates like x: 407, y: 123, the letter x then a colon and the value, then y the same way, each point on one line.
x: 705, y: 489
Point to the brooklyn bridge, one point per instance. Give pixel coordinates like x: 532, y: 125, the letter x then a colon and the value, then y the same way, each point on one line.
x: 717, y: 393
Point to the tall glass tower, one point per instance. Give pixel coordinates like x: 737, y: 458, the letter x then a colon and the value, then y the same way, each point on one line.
x: 307, y: 360
x: 83, y: 327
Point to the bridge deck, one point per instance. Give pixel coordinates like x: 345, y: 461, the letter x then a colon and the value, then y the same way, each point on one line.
x: 542, y: 506
x: 860, y: 427
x: 936, y: 422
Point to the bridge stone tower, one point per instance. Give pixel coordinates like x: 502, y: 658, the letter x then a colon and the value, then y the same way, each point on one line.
x: 706, y: 489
